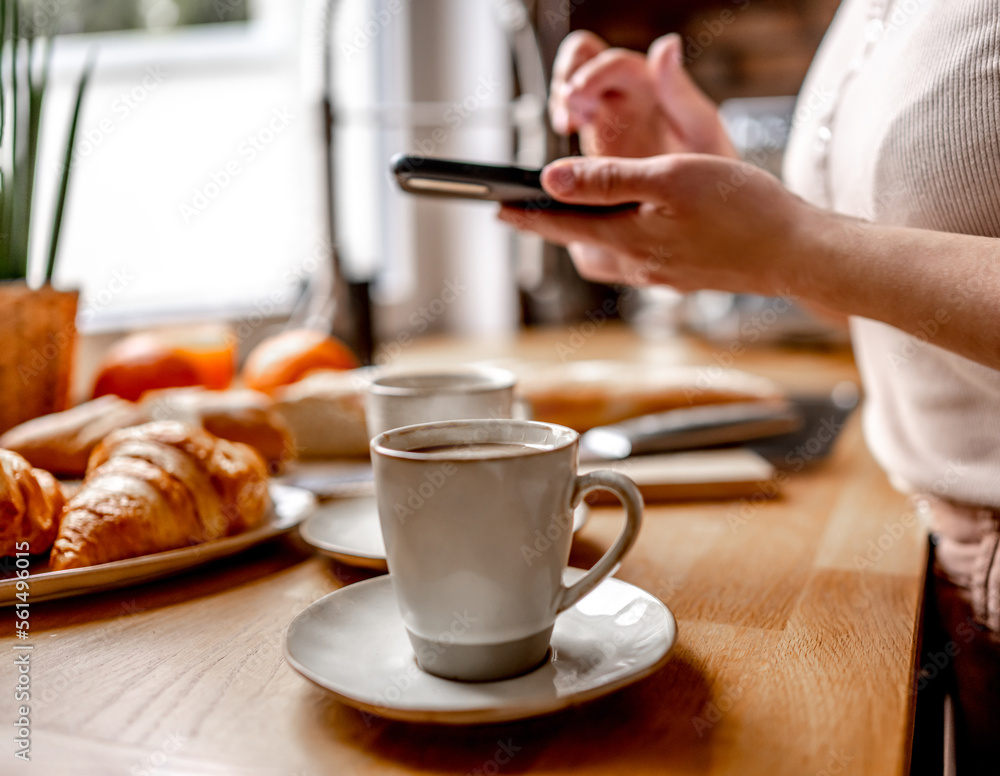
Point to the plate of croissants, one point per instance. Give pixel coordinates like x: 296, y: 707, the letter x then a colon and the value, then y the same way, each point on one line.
x: 156, y: 499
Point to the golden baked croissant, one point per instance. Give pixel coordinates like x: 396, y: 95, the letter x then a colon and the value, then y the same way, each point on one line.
x: 157, y: 487
x: 30, y: 505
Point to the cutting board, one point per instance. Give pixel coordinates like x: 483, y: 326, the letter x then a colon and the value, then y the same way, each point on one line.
x: 692, y: 476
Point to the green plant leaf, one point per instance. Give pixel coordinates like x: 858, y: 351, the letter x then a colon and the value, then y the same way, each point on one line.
x: 81, y: 88
x: 15, y: 236
x: 5, y: 269
x: 36, y: 94
x: 3, y: 46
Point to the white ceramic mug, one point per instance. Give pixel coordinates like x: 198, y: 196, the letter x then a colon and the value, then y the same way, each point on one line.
x: 408, y: 397
x: 477, y: 517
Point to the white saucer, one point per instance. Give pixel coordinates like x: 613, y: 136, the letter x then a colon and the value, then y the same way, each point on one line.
x: 352, y: 642
x: 348, y: 530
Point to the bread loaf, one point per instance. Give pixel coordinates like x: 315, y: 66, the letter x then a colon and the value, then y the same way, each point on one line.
x: 584, y: 394
x: 326, y: 413
x: 62, y: 442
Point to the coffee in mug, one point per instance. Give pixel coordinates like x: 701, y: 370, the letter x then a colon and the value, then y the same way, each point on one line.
x: 476, y: 450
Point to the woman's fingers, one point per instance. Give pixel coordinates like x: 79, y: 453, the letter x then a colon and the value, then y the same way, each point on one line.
x: 617, y: 72
x: 692, y: 116
x: 563, y: 227
x: 600, y: 91
x: 605, y: 249
x: 576, y: 49
x: 594, y: 263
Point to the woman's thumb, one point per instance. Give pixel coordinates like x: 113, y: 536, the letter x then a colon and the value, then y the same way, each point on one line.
x: 603, y: 180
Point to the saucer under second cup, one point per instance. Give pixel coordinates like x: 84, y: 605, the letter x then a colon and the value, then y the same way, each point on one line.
x: 348, y: 530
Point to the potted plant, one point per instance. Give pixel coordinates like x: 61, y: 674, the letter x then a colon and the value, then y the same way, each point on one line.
x: 37, y: 325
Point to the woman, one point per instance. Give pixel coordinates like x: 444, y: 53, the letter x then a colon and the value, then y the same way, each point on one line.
x: 890, y: 216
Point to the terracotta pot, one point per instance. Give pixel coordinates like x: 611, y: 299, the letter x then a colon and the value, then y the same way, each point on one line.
x: 37, y: 341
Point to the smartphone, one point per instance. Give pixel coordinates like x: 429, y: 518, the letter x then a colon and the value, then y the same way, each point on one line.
x: 509, y: 185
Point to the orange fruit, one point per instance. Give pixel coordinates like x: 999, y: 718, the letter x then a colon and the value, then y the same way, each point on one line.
x: 210, y: 349
x: 142, y: 362
x: 289, y: 356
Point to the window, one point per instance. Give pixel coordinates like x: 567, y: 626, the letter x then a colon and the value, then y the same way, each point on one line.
x: 197, y: 188
x: 192, y: 193
x: 89, y: 16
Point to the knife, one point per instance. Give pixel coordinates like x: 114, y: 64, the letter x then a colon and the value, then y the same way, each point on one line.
x: 689, y: 428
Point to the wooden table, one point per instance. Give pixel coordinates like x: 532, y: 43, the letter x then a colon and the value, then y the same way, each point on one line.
x: 796, y: 648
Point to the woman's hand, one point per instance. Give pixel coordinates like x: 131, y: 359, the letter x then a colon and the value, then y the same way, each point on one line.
x: 702, y: 222
x: 623, y: 103
x: 705, y: 221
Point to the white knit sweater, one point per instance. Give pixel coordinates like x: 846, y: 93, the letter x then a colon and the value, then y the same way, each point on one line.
x: 898, y: 122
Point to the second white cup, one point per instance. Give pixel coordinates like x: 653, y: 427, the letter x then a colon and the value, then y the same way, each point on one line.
x: 404, y: 398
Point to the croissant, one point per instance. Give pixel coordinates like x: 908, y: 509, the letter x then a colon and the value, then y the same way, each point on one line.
x: 157, y: 487
x: 30, y: 505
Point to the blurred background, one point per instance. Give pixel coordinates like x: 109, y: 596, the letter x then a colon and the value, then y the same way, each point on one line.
x: 232, y: 159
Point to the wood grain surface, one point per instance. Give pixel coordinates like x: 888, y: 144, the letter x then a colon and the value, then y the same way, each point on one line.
x: 798, y: 624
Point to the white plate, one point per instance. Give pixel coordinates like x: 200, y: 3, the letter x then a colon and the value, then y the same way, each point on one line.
x: 348, y: 530
x: 352, y: 642
x: 291, y: 506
